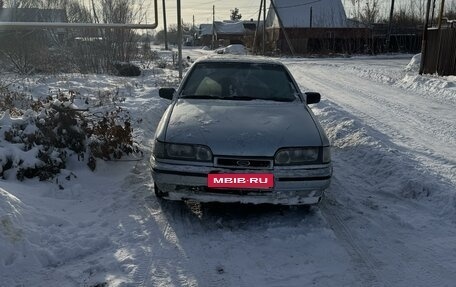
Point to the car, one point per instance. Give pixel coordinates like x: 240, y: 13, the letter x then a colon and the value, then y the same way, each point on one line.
x: 239, y: 129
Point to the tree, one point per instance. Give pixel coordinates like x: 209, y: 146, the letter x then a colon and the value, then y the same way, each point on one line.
x: 1, y: 3
x: 235, y: 15
x: 367, y: 11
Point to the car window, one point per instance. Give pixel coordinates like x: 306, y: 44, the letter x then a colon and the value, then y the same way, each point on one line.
x: 249, y: 80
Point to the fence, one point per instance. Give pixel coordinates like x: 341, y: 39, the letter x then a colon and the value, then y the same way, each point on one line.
x: 346, y: 40
x: 440, y: 54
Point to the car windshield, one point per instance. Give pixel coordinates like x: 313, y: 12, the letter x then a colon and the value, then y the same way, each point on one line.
x: 239, y: 81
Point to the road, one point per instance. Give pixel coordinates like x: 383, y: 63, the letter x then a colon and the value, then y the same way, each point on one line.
x: 387, y: 219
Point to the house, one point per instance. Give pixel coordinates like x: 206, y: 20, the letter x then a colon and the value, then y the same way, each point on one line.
x: 225, y: 33
x: 312, y: 27
x: 307, y: 13
x: 205, y: 34
x: 229, y: 32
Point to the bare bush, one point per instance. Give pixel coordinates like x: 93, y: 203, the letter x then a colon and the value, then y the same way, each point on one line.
x: 70, y: 50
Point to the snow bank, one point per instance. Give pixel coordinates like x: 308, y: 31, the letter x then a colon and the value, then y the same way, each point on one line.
x: 76, y: 236
x: 381, y: 166
x: 235, y: 49
x: 406, y: 77
x: 414, y: 65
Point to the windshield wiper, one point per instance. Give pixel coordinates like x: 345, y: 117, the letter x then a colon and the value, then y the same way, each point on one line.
x: 200, y: 97
x: 281, y: 99
x: 246, y: 98
x: 236, y: 98
x: 240, y: 98
x: 217, y: 97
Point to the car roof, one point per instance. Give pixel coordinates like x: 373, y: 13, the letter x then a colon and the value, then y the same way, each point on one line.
x: 237, y: 59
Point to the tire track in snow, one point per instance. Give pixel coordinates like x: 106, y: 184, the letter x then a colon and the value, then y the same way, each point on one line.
x: 380, y: 114
x: 363, y: 261
x: 395, y: 263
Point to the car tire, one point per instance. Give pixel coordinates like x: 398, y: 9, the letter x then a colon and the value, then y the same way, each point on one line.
x: 158, y: 192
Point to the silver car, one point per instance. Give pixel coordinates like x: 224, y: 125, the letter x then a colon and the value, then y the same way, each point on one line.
x: 240, y: 130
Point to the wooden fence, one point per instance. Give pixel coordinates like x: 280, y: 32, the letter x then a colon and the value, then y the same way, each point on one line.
x: 440, y: 55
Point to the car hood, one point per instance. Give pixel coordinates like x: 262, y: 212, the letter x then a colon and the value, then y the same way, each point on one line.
x: 242, y: 128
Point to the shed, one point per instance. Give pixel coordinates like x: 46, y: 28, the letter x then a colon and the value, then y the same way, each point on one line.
x: 312, y: 26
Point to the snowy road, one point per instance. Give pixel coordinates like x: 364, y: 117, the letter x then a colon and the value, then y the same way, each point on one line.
x: 389, y: 218
x: 393, y: 196
x: 422, y: 125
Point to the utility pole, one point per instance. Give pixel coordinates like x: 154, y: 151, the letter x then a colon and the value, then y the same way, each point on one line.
x: 424, y: 42
x: 257, y: 27
x: 264, y: 27
x: 390, y: 24
x: 213, y: 28
x: 165, y: 29
x: 179, y: 38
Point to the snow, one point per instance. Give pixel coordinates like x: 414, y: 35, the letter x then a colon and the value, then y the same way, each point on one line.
x: 222, y: 27
x: 235, y: 49
x: 414, y: 64
x: 205, y: 29
x: 296, y: 14
x: 388, y: 218
x: 229, y: 27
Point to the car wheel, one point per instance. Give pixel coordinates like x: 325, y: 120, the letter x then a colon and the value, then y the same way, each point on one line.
x: 158, y: 192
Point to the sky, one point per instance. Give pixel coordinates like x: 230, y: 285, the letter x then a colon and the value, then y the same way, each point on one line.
x: 202, y: 9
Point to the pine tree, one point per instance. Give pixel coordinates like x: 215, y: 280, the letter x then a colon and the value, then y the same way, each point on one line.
x: 235, y: 15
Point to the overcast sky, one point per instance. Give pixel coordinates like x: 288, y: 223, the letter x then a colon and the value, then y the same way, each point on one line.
x: 202, y: 9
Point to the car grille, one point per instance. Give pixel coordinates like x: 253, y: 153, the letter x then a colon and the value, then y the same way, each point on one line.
x: 243, y: 163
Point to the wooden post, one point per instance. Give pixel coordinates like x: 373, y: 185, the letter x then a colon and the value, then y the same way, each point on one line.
x: 213, y: 28
x: 390, y: 24
x: 165, y: 29
x: 424, y: 42
x: 442, y: 9
x: 264, y: 28
x: 179, y: 38
x: 433, y: 12
x: 439, y: 26
x: 257, y: 27
x: 283, y: 29
x: 311, y: 17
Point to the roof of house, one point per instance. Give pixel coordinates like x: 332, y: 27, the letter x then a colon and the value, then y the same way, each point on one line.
x: 223, y: 28
x: 229, y: 27
x: 32, y: 15
x: 205, y: 29
x: 296, y: 14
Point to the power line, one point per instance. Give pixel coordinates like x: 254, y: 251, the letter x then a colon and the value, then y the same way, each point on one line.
x: 297, y: 5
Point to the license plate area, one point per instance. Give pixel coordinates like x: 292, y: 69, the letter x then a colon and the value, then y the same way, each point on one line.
x: 259, y: 181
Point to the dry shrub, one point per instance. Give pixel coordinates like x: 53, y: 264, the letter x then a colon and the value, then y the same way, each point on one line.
x: 52, y: 128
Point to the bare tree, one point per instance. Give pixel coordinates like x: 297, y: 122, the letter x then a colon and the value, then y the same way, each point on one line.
x: 370, y: 12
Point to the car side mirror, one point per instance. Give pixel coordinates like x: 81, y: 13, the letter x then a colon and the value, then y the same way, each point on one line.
x: 313, y: 98
x: 166, y: 93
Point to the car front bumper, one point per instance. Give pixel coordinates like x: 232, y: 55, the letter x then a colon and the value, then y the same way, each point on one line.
x: 292, y: 186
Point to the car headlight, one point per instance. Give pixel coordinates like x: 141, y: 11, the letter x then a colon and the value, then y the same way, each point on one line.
x: 182, y: 151
x: 299, y: 156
